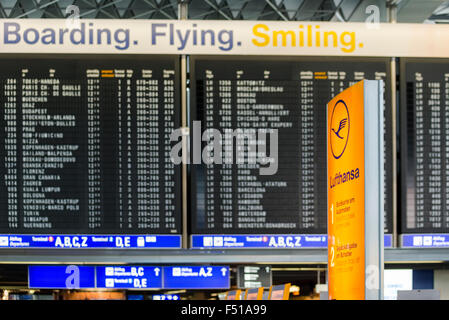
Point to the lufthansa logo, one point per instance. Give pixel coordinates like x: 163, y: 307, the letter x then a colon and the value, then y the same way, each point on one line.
x: 339, y: 132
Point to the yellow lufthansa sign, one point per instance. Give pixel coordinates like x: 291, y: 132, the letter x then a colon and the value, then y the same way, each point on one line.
x: 346, y: 194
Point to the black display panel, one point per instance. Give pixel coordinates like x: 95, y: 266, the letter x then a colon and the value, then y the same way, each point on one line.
x: 424, y: 145
x: 85, y: 144
x: 289, y: 94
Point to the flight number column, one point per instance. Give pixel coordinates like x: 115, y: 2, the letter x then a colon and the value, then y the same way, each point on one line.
x: 10, y: 145
x: 226, y: 181
x: 210, y: 172
x: 419, y: 156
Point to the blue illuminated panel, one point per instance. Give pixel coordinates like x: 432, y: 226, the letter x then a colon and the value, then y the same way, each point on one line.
x: 90, y: 241
x: 196, y: 277
x: 259, y: 241
x: 172, y: 297
x: 388, y: 241
x: 425, y: 240
x: 129, y: 277
x: 61, y: 277
x: 290, y: 241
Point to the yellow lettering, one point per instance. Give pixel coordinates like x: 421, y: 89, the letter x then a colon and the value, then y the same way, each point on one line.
x: 284, y: 37
x: 309, y: 36
x: 260, y: 35
x: 306, y: 36
x: 326, y: 38
x: 349, y: 45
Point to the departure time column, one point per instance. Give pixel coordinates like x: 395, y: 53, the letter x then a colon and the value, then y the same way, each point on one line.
x: 306, y: 130
x: 93, y: 152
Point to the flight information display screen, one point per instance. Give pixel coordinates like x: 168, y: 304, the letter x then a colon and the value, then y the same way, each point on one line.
x: 85, y: 145
x: 425, y: 148
x: 287, y: 95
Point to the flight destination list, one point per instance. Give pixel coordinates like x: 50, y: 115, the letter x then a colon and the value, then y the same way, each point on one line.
x: 267, y: 94
x: 85, y: 147
x: 425, y: 146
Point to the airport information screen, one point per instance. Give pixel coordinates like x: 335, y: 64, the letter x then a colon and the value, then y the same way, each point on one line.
x: 425, y: 146
x: 85, y: 145
x: 287, y: 94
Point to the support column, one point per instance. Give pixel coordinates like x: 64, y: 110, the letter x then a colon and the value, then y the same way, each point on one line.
x: 183, y: 15
x: 392, y: 13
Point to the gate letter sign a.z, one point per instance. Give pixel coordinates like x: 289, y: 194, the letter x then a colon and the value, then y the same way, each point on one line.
x: 355, y: 192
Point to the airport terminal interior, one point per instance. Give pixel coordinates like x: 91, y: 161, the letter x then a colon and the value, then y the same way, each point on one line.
x: 100, y: 99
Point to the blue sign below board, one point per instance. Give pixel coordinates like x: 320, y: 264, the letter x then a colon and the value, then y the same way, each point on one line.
x: 91, y: 241
x: 196, y: 277
x: 287, y: 241
x: 61, y: 277
x: 129, y: 277
x: 425, y: 241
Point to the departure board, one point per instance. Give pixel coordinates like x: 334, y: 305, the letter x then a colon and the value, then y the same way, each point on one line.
x: 85, y: 145
x: 424, y: 146
x: 265, y: 94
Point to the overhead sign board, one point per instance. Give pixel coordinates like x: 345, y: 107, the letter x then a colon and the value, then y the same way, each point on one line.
x: 231, y: 241
x: 90, y: 241
x: 129, y: 277
x: 196, y: 277
x: 221, y: 37
x: 425, y: 240
x: 355, y: 192
x: 259, y: 241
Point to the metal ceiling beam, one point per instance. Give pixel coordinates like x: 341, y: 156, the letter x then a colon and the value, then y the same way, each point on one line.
x: 217, y: 9
x: 159, y: 9
x: 230, y: 256
x: 337, y: 14
x: 416, y: 11
x: 143, y: 14
x: 276, y: 10
x: 302, y: 10
x: 308, y: 9
x: 107, y: 6
x: 357, y: 12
